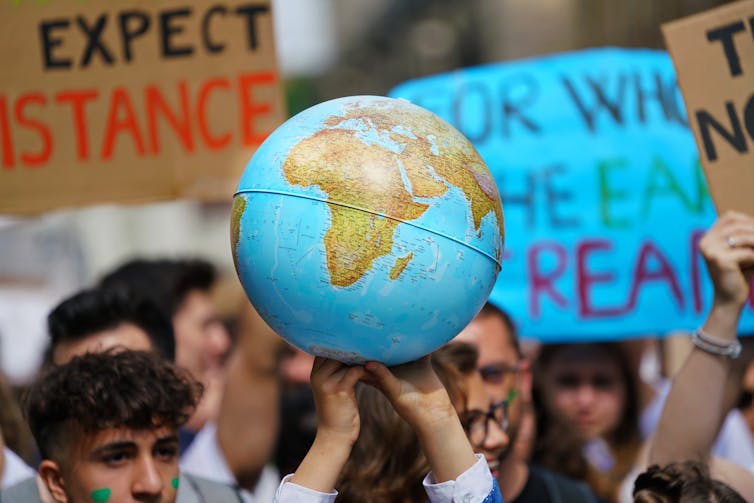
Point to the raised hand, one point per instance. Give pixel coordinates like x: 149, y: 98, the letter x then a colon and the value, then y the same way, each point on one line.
x: 413, y: 389
x: 337, y: 424
x: 418, y: 396
x: 333, y: 387
x: 728, y: 249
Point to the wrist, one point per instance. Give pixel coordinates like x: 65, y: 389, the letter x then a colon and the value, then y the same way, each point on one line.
x: 336, y: 440
x: 715, y: 345
x: 729, y: 304
x: 323, y: 463
x: 722, y: 320
x: 435, y: 423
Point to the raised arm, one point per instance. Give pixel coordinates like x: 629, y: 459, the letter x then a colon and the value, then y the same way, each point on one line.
x: 337, y: 430
x: 696, y: 404
x: 419, y: 397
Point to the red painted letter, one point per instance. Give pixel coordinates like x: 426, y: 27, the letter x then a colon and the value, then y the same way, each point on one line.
x: 120, y: 100
x: 8, y: 158
x: 217, y: 142
x: 78, y: 100
x: 250, y: 110
x: 643, y: 274
x: 585, y: 279
x: 542, y: 282
x: 41, y: 157
x: 155, y: 102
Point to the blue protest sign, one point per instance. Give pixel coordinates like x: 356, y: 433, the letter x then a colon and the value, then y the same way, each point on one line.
x: 603, y: 194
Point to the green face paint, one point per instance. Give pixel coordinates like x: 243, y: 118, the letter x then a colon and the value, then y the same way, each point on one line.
x: 101, y: 495
x: 175, y: 483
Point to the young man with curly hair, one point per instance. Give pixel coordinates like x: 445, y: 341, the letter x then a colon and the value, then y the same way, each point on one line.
x: 107, y: 428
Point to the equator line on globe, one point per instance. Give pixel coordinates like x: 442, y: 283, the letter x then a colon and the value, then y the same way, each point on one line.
x: 367, y: 228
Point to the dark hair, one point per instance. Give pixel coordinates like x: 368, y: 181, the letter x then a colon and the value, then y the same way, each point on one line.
x: 166, y: 281
x: 114, y: 389
x: 490, y: 309
x: 459, y: 355
x: 682, y: 482
x: 98, y: 309
x: 452, y: 362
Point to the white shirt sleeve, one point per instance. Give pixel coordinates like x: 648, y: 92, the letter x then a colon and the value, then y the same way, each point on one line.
x: 288, y: 492
x: 472, y: 486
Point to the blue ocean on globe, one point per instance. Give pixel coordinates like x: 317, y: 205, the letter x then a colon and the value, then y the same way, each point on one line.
x: 367, y: 228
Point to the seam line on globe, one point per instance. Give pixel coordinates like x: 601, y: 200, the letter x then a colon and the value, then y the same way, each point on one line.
x: 354, y: 207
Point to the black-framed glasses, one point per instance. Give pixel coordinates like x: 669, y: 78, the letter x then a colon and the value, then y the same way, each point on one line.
x: 497, y: 372
x: 476, y: 422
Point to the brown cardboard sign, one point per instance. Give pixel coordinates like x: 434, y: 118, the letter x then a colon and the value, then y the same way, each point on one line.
x: 132, y: 101
x: 713, y: 53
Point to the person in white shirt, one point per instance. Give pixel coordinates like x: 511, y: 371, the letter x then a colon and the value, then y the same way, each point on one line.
x: 418, y: 396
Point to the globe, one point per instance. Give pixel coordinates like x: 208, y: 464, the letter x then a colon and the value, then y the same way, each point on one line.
x: 367, y: 228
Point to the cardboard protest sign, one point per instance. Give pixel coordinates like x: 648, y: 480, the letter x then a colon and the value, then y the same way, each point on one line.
x: 603, y: 195
x: 132, y: 101
x: 713, y: 54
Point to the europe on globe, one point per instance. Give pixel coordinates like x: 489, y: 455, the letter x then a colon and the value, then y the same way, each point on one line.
x: 367, y: 228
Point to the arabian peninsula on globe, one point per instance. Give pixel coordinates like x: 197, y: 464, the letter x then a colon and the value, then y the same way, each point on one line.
x: 367, y: 228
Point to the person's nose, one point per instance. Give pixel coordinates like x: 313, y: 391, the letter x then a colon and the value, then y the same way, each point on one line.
x: 497, y: 439
x: 585, y: 395
x: 217, y: 341
x: 147, y: 483
x: 297, y: 367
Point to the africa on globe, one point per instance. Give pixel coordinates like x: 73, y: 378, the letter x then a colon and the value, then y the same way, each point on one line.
x: 367, y: 228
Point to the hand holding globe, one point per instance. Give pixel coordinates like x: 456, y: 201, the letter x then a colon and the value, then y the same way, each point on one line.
x: 367, y: 228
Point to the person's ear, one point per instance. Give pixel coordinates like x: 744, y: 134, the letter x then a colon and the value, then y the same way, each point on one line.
x: 52, y: 476
x: 525, y: 379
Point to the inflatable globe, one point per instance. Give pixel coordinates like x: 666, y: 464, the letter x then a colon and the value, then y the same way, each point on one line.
x: 367, y: 228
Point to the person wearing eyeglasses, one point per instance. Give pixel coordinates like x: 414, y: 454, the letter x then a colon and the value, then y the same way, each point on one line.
x: 505, y: 376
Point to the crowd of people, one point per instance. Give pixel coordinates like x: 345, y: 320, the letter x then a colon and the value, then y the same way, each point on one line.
x: 148, y: 393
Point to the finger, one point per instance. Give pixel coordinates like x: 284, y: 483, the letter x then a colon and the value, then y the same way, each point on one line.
x: 741, y: 241
x: 316, y: 367
x: 325, y: 368
x: 732, y: 217
x: 744, y: 257
x: 385, y: 380
x: 351, y: 377
x: 738, y: 229
x: 714, y: 245
x: 369, y: 379
x: 319, y: 361
x: 726, y: 225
